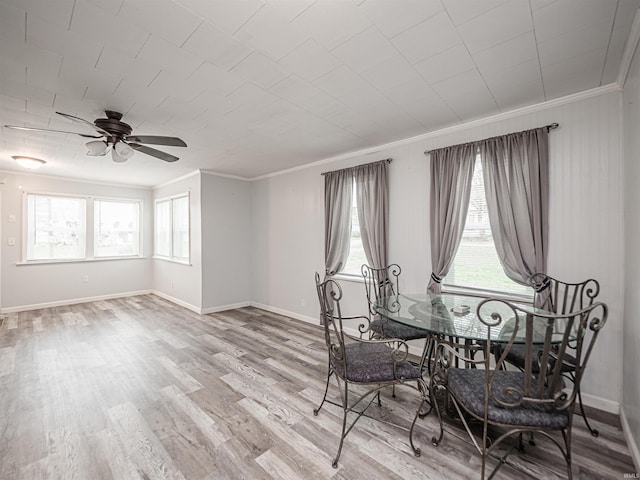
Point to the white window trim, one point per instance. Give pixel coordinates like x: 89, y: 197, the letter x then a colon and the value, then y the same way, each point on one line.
x: 349, y: 277
x: 89, y: 230
x: 82, y: 260
x: 170, y: 257
x: 140, y: 203
x: 477, y: 292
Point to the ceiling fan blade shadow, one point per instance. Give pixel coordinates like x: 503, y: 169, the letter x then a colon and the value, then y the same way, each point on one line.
x: 47, y: 130
x: 83, y: 122
x: 153, y: 152
x: 157, y: 140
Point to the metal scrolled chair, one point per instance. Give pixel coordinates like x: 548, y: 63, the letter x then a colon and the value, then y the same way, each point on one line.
x: 381, y: 283
x: 375, y: 363
x: 561, y: 297
x: 533, y: 399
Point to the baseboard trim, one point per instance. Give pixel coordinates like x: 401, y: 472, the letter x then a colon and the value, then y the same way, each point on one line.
x: 222, y: 308
x: 177, y: 301
x: 286, y: 313
x: 601, y: 403
x: 73, y: 301
x: 199, y: 310
x: 631, y: 441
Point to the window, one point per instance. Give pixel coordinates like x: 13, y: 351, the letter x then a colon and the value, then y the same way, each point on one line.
x: 163, y: 228
x: 477, y: 265
x: 356, y: 257
x: 172, y: 228
x: 117, y: 228
x: 56, y: 228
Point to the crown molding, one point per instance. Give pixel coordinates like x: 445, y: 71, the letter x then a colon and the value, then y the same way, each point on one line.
x: 224, y: 175
x: 178, y: 179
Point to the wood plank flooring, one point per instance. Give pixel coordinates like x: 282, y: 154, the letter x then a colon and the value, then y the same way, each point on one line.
x: 140, y: 388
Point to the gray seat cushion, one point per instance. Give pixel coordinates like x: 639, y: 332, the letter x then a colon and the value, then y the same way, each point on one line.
x: 468, y: 387
x: 390, y: 329
x: 373, y: 363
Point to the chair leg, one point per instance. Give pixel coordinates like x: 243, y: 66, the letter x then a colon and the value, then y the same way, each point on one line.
x: 422, y: 388
x: 345, y: 409
x: 592, y: 430
x: 326, y: 389
x: 566, y: 435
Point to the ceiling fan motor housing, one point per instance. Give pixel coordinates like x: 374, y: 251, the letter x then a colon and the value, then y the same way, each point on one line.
x: 113, y: 125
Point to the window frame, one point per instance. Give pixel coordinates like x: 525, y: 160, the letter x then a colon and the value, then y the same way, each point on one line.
x: 479, y: 291
x: 89, y: 228
x: 26, y: 221
x: 139, y: 203
x: 171, y: 231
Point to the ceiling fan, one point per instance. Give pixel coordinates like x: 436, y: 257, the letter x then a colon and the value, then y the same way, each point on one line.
x: 115, y: 135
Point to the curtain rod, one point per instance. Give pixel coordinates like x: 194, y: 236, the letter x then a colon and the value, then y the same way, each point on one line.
x: 388, y: 160
x: 551, y: 126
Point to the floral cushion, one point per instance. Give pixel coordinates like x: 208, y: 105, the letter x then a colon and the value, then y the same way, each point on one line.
x: 468, y: 387
x: 373, y: 363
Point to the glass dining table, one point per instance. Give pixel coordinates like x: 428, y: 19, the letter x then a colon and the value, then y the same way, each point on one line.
x: 456, y: 316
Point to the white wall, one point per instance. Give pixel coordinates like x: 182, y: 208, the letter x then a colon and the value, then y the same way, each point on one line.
x: 631, y: 327
x: 175, y: 281
x: 226, y: 242
x: 31, y: 286
x: 586, y: 223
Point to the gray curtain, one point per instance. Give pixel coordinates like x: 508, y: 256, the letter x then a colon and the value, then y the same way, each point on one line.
x: 451, y: 175
x: 516, y: 181
x: 372, y: 202
x: 338, y: 195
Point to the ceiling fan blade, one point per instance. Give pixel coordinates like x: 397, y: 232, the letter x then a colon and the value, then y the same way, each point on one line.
x: 153, y: 152
x: 83, y: 122
x: 157, y: 140
x: 46, y: 130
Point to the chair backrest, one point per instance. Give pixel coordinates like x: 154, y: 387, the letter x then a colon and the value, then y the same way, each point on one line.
x: 547, y: 338
x: 329, y: 297
x: 562, y: 297
x: 380, y: 283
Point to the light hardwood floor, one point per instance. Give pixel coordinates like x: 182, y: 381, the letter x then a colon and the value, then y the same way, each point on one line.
x: 140, y: 388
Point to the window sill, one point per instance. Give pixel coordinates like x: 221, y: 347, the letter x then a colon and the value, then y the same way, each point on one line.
x: 77, y: 260
x: 172, y: 260
x: 474, y: 292
x: 349, y: 277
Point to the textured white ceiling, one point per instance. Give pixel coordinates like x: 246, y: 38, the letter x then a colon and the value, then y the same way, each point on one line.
x: 260, y: 86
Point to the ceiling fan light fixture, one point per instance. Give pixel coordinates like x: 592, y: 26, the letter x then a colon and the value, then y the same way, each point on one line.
x: 123, y: 150
x: 117, y: 158
x: 30, y: 163
x: 97, y: 147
